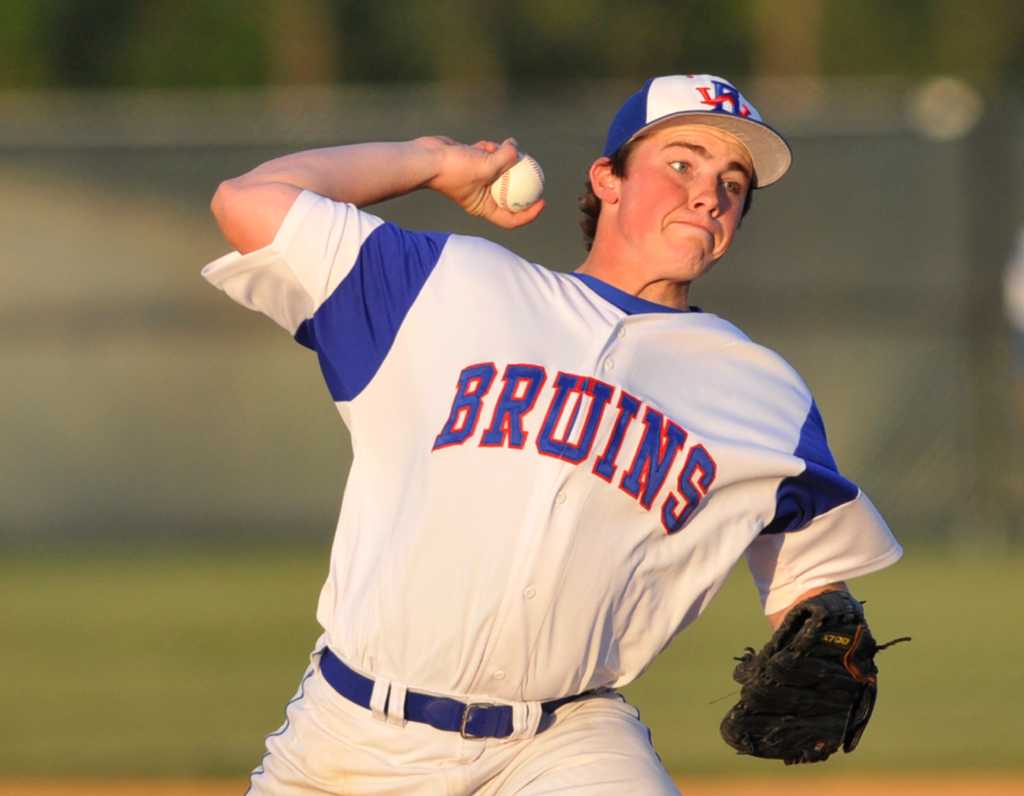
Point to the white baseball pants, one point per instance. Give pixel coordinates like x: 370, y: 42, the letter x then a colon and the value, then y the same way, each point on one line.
x: 328, y: 745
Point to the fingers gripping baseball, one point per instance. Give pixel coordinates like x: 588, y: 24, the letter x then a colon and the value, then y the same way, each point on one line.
x: 466, y: 173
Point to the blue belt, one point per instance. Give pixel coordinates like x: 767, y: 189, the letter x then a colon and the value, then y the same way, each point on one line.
x: 472, y: 720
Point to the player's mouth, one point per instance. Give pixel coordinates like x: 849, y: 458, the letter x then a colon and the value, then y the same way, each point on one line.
x: 697, y: 224
x: 706, y: 228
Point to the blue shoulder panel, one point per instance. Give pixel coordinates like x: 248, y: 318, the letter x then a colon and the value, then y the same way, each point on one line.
x: 818, y: 489
x: 353, y: 330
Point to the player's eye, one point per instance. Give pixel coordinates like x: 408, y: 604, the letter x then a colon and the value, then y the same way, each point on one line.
x: 680, y: 165
x: 734, y: 186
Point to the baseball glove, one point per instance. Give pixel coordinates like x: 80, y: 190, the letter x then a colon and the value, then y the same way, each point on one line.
x: 812, y: 688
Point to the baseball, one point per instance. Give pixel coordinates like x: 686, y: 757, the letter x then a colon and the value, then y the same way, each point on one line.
x: 520, y: 186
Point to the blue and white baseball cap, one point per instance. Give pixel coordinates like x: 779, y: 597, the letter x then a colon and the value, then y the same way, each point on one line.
x: 709, y: 100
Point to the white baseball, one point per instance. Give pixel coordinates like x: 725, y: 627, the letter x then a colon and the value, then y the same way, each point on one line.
x: 520, y: 186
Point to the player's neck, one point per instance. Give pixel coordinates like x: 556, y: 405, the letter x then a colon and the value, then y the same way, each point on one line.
x: 618, y: 273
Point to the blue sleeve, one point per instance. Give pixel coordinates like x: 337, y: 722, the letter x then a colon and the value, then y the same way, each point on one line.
x: 354, y: 328
x: 818, y: 489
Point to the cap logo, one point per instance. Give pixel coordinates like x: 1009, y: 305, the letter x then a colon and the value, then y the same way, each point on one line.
x: 725, y: 94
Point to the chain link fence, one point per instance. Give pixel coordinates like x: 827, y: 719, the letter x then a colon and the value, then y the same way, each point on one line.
x: 140, y: 404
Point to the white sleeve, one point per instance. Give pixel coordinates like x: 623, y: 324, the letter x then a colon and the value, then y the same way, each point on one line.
x: 314, y: 249
x: 846, y: 542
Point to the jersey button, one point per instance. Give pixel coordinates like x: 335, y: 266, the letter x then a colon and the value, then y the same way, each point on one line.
x: 529, y: 592
x: 621, y: 333
x: 560, y: 498
x: 498, y: 675
x: 609, y: 364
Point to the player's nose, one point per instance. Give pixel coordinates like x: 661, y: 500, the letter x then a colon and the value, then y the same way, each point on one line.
x: 705, y: 195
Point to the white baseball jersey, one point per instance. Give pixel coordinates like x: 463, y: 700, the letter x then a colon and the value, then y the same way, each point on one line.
x: 551, y: 477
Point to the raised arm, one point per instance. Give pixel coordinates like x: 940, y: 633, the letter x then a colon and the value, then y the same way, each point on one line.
x: 250, y: 208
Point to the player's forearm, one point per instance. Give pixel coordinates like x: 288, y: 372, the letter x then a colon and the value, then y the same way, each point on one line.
x: 362, y: 174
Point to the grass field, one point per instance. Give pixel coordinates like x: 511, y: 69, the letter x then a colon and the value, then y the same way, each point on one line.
x: 175, y: 664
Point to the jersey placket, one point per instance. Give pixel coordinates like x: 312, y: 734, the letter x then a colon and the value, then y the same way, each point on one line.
x: 559, y: 512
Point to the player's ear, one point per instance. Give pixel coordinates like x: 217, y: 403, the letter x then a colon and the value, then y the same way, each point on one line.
x: 603, y: 181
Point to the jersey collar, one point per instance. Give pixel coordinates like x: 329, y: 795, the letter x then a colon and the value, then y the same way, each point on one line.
x: 629, y: 304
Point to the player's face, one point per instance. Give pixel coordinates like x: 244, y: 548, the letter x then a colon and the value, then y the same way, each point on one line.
x: 681, y: 200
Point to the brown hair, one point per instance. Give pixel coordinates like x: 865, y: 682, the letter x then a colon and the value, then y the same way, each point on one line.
x: 590, y: 205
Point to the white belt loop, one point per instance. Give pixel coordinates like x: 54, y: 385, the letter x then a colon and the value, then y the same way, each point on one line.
x: 379, y: 698
x: 526, y: 718
x: 396, y: 705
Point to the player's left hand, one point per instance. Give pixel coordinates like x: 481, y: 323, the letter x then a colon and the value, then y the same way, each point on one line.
x: 465, y: 174
x: 811, y: 689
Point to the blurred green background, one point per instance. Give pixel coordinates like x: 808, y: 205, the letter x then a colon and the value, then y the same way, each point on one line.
x: 177, y: 664
x: 172, y: 465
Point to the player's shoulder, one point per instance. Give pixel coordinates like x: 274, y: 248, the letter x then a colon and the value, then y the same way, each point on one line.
x: 715, y: 336
x: 484, y: 251
x: 750, y: 365
x: 753, y: 393
x: 768, y: 360
x: 482, y: 258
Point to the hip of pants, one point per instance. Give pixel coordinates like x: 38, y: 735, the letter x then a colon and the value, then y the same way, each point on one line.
x: 329, y: 745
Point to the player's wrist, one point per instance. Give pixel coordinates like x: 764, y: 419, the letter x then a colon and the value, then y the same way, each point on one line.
x: 429, y: 154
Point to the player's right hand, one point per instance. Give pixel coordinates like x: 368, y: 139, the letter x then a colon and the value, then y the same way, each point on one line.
x: 465, y: 173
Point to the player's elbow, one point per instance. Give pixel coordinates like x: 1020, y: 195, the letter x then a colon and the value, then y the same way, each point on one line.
x: 219, y: 202
x: 223, y: 204
x: 249, y: 214
x: 226, y: 206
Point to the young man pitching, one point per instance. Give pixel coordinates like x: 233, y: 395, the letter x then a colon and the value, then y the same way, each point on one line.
x: 553, y: 473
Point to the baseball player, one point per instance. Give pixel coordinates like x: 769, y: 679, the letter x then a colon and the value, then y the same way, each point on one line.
x: 553, y: 473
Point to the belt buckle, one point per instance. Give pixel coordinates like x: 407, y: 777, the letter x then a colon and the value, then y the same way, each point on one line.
x: 467, y: 714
